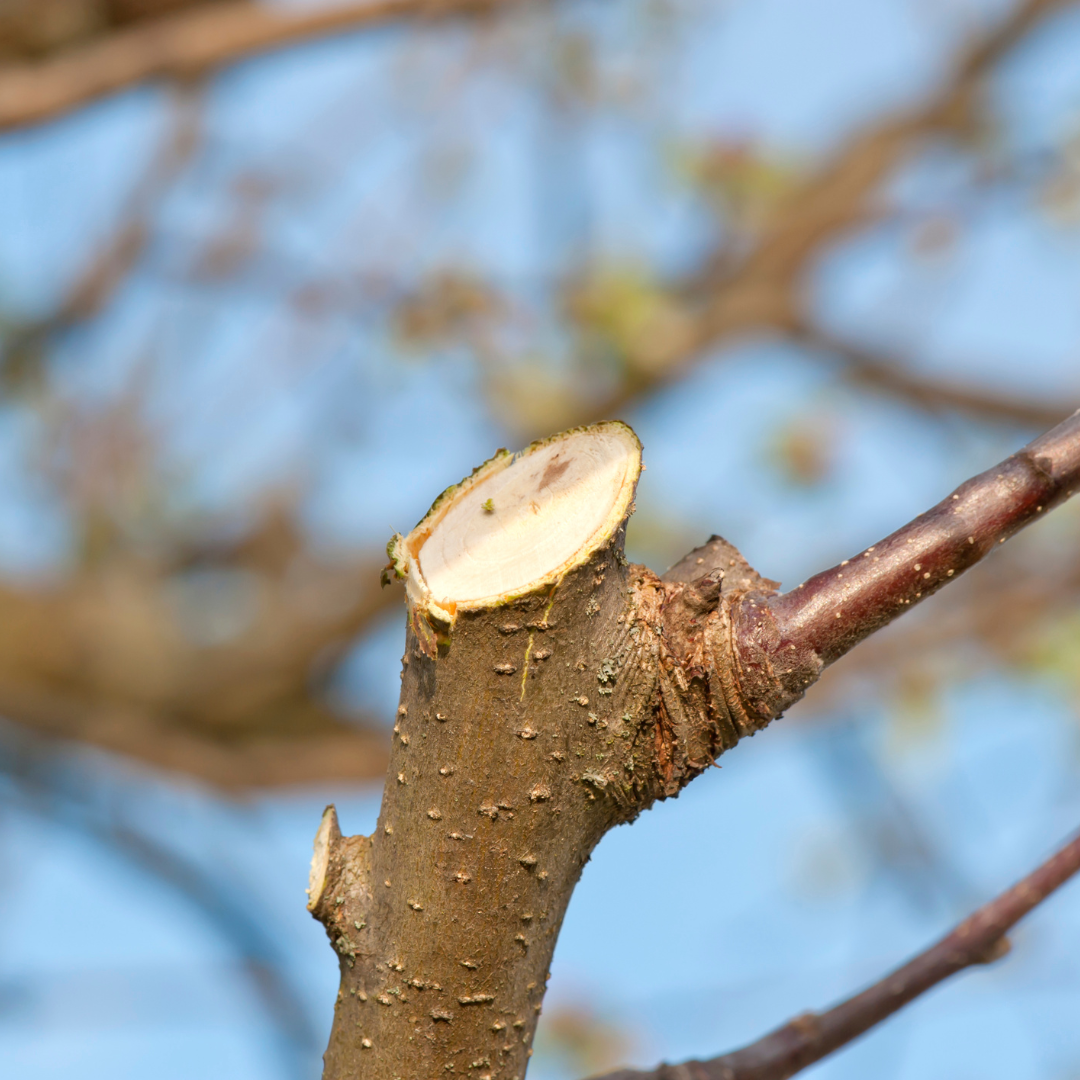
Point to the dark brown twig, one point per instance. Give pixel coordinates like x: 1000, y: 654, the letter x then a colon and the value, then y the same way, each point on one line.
x: 784, y: 643
x: 979, y: 939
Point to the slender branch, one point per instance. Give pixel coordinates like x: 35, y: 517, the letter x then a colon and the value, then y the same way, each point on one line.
x: 188, y: 43
x: 863, y: 367
x: 1005, y: 612
x: 979, y: 939
x: 784, y: 643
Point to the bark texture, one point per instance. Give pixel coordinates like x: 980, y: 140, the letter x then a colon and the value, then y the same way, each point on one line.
x: 546, y: 722
x: 530, y: 726
x: 525, y: 731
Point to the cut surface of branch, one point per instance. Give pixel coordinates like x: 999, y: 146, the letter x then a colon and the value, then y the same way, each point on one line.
x: 979, y: 939
x: 320, y: 858
x: 518, y: 524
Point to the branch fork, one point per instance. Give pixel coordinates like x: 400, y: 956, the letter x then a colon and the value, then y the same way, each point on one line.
x: 550, y: 691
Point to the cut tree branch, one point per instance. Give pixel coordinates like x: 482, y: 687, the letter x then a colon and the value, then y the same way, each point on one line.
x: 187, y: 44
x: 979, y: 939
x: 551, y: 691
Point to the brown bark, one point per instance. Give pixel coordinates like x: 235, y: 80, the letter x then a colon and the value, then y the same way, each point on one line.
x: 535, y: 727
x: 507, y: 768
x: 547, y: 722
x: 529, y: 727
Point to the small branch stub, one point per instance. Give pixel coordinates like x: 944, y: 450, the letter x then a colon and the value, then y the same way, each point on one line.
x: 320, y: 859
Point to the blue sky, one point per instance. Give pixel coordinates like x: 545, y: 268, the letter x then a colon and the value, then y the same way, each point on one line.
x: 762, y: 886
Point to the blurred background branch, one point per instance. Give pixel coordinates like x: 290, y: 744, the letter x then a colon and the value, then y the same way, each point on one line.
x: 60, y: 54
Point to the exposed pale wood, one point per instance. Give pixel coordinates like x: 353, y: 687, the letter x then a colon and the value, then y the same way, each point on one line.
x: 320, y: 857
x: 529, y: 519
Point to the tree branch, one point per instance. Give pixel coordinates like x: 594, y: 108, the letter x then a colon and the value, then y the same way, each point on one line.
x: 979, y: 939
x: 862, y: 367
x: 189, y: 43
x: 509, y: 769
x: 783, y: 643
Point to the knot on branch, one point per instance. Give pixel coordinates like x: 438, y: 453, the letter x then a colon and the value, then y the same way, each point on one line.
x: 707, y: 699
x: 339, y: 890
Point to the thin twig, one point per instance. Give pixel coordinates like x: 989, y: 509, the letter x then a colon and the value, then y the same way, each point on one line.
x: 979, y: 939
x: 784, y: 642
